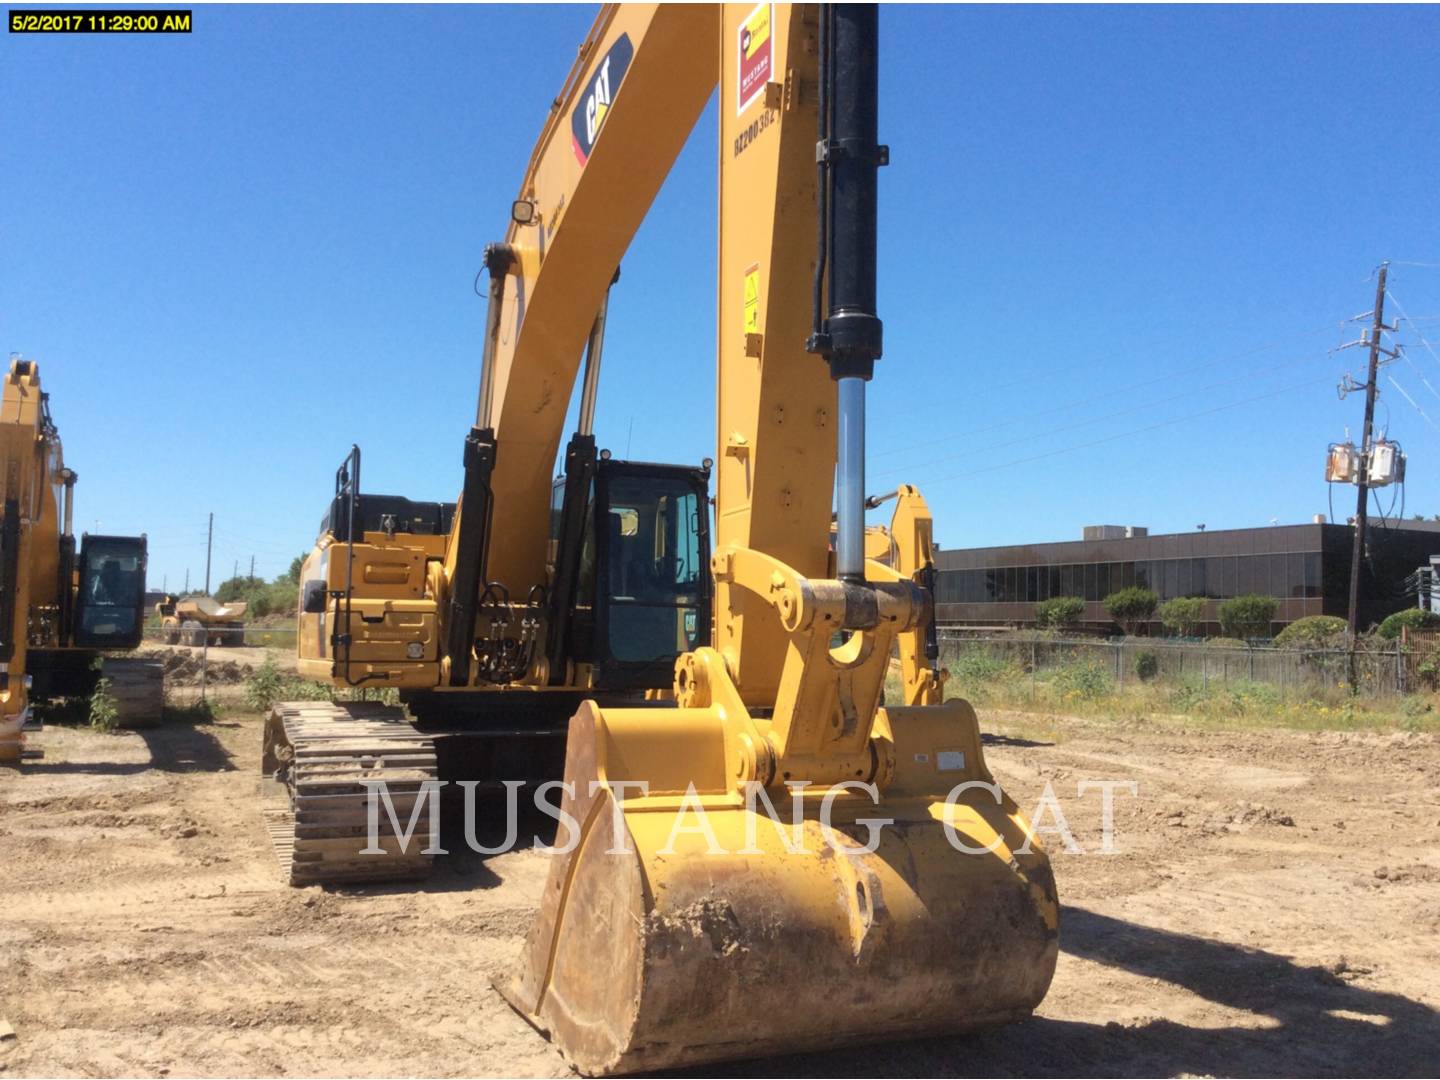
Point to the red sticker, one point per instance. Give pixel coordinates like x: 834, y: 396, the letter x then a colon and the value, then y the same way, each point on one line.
x: 757, y: 49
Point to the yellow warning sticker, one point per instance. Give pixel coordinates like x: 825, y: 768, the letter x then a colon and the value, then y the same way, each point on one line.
x: 752, y: 299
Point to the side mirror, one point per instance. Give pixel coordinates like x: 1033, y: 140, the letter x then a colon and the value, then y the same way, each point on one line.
x: 313, y: 597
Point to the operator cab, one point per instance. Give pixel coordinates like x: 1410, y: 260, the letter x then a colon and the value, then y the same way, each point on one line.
x: 110, y: 606
x: 645, y: 554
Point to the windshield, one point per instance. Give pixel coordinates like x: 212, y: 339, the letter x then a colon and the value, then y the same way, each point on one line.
x: 112, y: 587
x: 654, y: 567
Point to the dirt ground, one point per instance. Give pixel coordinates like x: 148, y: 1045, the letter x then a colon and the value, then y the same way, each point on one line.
x: 1273, y: 908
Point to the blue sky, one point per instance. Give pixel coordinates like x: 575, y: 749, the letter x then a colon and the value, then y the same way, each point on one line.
x: 1117, y: 245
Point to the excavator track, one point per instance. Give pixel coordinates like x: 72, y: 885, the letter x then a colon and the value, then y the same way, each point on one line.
x: 317, y: 762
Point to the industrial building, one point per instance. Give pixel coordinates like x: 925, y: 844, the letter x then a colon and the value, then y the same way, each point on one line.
x: 1305, y: 567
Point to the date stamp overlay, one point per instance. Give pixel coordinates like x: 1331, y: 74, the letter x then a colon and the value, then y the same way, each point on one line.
x: 100, y: 21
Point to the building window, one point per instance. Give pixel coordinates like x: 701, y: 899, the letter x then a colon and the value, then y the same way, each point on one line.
x: 1275, y: 565
x: 1213, y: 578
x: 1295, y: 574
x: 1245, y: 575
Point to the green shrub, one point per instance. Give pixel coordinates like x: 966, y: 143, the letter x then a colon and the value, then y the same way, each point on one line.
x: 269, y: 684
x: 262, y: 598
x: 1182, y: 615
x: 977, y: 665
x: 1244, y: 697
x: 1311, y: 632
x: 1247, y: 617
x: 1411, y: 619
x: 104, y: 709
x: 1058, y: 612
x: 1189, y: 693
x: 1130, y: 607
x: 310, y: 690
x: 1147, y: 665
x: 266, y: 686
x: 1084, y: 679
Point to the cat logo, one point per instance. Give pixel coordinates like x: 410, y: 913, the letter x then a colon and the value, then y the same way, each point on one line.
x: 589, y: 116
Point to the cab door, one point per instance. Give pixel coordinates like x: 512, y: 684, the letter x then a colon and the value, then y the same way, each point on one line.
x: 110, y: 603
x: 653, y: 586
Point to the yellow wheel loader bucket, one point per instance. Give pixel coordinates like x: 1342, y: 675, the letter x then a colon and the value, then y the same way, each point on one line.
x: 691, y: 924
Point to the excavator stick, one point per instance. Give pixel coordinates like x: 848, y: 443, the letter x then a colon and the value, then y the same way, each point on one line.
x: 686, y: 926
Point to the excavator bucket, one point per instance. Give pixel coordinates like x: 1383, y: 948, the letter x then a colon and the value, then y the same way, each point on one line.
x: 686, y: 926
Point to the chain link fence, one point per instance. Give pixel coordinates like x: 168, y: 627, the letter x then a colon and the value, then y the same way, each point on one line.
x: 220, y: 637
x: 1380, y: 669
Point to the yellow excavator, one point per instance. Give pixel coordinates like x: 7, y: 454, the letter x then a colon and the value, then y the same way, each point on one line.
x: 695, y: 686
x: 59, y: 608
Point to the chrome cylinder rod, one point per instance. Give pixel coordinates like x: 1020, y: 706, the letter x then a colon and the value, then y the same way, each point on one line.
x: 67, y: 477
x: 850, y: 483
x: 499, y: 259
x: 594, y: 349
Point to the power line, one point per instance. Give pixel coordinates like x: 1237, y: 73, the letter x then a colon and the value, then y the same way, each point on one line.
x: 1411, y: 400
x: 1401, y: 308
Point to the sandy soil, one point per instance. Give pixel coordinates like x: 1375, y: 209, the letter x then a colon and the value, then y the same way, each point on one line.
x: 1273, y: 909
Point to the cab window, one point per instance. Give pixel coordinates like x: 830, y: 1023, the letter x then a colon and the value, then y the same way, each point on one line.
x: 112, y: 589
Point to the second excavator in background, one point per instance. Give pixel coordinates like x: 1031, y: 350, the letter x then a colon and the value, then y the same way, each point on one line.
x: 61, y: 608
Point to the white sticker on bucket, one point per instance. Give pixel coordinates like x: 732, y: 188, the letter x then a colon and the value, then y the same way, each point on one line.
x: 950, y: 760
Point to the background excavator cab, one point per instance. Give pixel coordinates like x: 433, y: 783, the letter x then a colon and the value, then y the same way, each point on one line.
x: 110, y: 606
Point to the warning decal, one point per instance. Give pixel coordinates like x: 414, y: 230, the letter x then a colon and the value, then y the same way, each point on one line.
x: 756, y: 55
x: 752, y: 299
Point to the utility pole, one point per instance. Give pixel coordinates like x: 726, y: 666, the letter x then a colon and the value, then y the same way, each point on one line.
x: 1362, y: 498
x: 252, y: 569
x: 187, y: 579
x: 209, y: 539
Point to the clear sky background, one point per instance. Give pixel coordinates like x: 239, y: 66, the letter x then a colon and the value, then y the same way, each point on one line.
x: 1117, y: 245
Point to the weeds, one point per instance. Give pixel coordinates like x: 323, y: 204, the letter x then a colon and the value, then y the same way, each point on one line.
x: 104, y: 709
x: 1081, y: 680
x: 1087, y: 687
x: 269, y: 685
